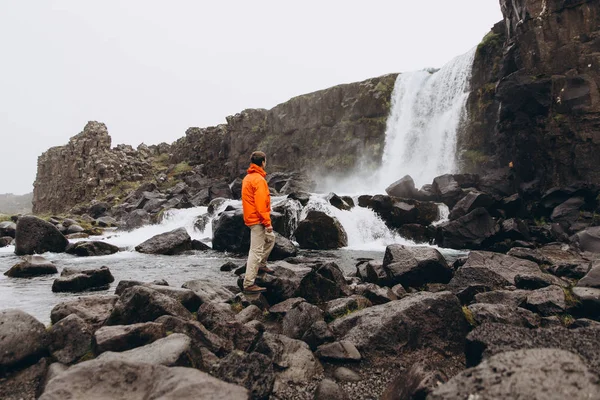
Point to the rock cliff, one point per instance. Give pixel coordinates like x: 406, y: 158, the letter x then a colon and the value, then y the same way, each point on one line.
x: 331, y: 130
x: 535, y: 100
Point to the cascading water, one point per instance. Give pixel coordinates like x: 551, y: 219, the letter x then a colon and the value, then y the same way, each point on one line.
x: 426, y: 113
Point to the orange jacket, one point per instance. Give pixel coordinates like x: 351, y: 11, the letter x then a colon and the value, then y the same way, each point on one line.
x: 256, y: 199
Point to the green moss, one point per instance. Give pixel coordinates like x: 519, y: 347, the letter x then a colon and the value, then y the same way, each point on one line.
x: 236, y: 307
x: 489, y: 44
x: 540, y: 221
x: 169, y: 333
x: 4, y: 217
x: 566, y: 319
x: 89, y: 355
x: 180, y: 168
x: 558, y: 118
x: 469, y: 316
x: 475, y: 157
x: 570, y: 298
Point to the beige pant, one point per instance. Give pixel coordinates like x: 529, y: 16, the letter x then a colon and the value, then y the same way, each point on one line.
x: 261, y: 244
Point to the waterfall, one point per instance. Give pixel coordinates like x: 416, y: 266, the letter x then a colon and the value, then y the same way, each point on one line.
x: 421, y: 130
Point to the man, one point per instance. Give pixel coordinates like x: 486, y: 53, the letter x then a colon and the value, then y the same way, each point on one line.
x: 256, y: 201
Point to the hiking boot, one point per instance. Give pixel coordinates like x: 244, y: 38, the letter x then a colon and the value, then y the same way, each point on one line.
x: 254, y: 289
x: 266, y: 270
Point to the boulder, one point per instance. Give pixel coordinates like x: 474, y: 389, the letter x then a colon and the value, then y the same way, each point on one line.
x: 249, y: 313
x: 142, y: 304
x: 416, y: 233
x: 592, y: 278
x: 338, y: 202
x: 282, y: 308
x: 404, y: 187
x: 31, y: 266
x: 588, y: 301
x: 342, y: 351
x: 470, y: 202
x: 514, y: 229
x: 547, y: 301
x: 209, y: 291
x: 73, y: 280
x: 94, y: 310
x: 316, y: 283
x: 589, y: 239
x: 253, y: 371
x: 376, y: 294
x: 24, y: 384
x: 320, y: 231
x: 211, y: 314
x: 8, y: 229
x: 490, y: 339
x: 201, y: 337
x: 188, y: 298
x: 448, y: 189
x: 127, y: 337
x: 34, y: 235
x: 423, y: 319
x: 340, y: 307
x: 88, y: 249
x: 471, y: 231
x: 284, y: 248
x: 344, y: 374
x: 329, y: 390
x: 74, y: 228
x: 136, y: 219
x: 414, y: 266
x: 528, y: 374
x: 299, y: 319
x: 397, y: 212
x: 98, y: 210
x: 242, y: 336
x: 503, y: 314
x: 174, y: 350
x: 511, y: 298
x: 69, y: 339
x: 292, y: 359
x: 228, y: 266
x: 230, y: 233
x: 23, y: 339
x: 318, y: 334
x: 119, y: 380
x: 168, y: 243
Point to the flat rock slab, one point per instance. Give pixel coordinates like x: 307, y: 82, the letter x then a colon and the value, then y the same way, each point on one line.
x: 31, y: 266
x: 94, y: 310
x: 126, y: 337
x: 537, y: 374
x: 122, y: 380
x: 174, y: 350
x: 73, y: 280
x: 168, y: 243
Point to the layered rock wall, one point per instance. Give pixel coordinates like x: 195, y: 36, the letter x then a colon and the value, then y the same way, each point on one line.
x: 86, y: 168
x: 535, y: 97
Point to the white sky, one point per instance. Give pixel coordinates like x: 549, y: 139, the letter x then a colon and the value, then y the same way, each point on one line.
x: 151, y: 69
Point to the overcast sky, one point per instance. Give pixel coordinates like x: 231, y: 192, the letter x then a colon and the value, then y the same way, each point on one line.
x: 151, y: 69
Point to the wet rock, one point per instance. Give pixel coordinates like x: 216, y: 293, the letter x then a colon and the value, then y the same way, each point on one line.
x: 34, y: 235
x: 201, y: 337
x: 302, y: 197
x: 31, y: 266
x: 547, y: 301
x: 111, y: 379
x: 416, y: 233
x: 168, y: 243
x: 73, y: 280
x: 470, y: 202
x: 292, y: 359
x: 69, y: 339
x: 519, y: 374
x: 319, y: 231
x: 23, y: 339
x: 209, y: 291
x: 283, y: 248
x: 397, y: 212
x: 174, y: 350
x: 316, y: 283
x: 228, y: 266
x: 338, y: 202
x: 230, y: 233
x: 299, y: 319
x: 503, y: 314
x: 5, y: 241
x: 136, y: 219
x: 8, y: 229
x: 253, y: 371
x: 25, y: 384
x: 94, y: 310
x: 414, y: 266
x: 422, y: 319
x: 471, y: 231
x: 142, y: 304
x: 127, y: 337
x: 489, y: 339
x: 404, y: 187
x: 89, y: 249
x: 343, y: 351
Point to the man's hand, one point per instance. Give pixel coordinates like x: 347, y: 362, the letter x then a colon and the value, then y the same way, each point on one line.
x: 269, y: 229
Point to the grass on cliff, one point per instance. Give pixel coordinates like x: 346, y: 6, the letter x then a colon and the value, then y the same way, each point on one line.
x: 489, y: 44
x: 4, y: 217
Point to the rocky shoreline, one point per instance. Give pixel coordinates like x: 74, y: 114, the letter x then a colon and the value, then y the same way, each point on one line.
x: 410, y: 325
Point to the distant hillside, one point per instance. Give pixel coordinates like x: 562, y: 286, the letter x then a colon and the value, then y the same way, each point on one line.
x: 14, y: 204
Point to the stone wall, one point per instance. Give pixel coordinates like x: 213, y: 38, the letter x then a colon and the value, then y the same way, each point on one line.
x: 535, y: 99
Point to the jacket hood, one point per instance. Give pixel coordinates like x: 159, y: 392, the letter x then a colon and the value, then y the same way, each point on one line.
x: 255, y: 169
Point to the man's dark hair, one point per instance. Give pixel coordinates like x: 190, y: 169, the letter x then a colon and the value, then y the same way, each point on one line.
x: 258, y: 157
